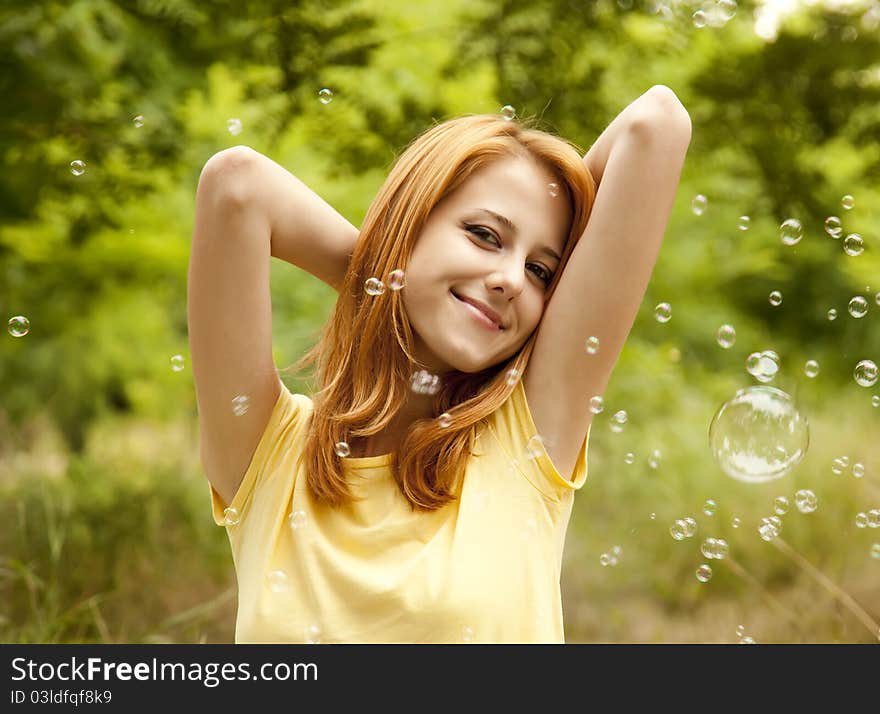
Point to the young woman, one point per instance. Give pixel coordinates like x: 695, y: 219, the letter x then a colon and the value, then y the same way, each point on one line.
x: 423, y: 492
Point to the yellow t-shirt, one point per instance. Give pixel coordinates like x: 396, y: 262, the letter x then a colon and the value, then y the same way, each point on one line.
x: 485, y: 568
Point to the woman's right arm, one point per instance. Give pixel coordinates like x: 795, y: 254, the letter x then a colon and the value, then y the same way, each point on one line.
x: 305, y: 230
x: 244, y: 201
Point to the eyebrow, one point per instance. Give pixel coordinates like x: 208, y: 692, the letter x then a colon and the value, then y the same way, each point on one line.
x: 507, y: 223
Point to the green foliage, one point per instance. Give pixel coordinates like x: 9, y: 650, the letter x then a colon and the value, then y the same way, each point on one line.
x: 98, y: 262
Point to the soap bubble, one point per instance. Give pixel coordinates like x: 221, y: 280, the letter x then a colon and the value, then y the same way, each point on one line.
x: 832, y: 226
x: 663, y: 312
x: 791, y: 231
x: 726, y: 336
x: 865, y: 373
x: 758, y: 435
x: 853, y: 244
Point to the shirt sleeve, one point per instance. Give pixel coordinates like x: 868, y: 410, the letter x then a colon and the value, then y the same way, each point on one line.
x: 288, y: 417
x: 514, y: 427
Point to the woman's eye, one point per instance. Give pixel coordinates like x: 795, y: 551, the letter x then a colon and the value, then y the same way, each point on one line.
x: 479, y: 231
x: 483, y: 233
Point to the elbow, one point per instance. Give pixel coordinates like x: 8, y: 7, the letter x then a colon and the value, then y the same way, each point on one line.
x: 670, y: 105
x: 663, y: 113
x: 229, y: 174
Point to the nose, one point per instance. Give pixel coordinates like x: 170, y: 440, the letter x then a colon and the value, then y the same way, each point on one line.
x: 508, y: 277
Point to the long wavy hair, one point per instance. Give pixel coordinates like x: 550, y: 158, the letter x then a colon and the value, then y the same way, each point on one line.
x: 364, y: 354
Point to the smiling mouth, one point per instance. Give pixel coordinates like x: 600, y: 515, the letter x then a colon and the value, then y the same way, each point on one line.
x: 479, y: 314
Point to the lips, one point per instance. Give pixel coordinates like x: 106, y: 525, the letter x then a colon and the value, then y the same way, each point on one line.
x: 482, y: 307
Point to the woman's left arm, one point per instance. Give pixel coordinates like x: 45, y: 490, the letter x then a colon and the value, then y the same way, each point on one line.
x: 658, y: 103
x: 637, y: 163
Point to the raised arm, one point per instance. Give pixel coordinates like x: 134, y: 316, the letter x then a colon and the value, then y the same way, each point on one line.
x: 304, y: 229
x: 637, y: 162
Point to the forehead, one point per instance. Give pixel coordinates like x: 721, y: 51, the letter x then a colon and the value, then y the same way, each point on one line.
x: 518, y: 189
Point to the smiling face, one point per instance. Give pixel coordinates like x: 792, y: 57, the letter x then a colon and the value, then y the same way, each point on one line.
x: 465, y: 251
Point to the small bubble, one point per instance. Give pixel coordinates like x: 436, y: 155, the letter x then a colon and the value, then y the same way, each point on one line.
x: 744, y: 222
x: 444, y: 420
x: 811, y: 368
x: 747, y: 640
x: 775, y: 298
x: 18, y: 326
x: 875, y: 400
x: 629, y: 457
x: 278, y: 581
x: 663, y: 312
x: 805, y: 500
x: 77, y: 167
x: 312, y: 634
x: 699, y: 19
x: 726, y: 336
x: 605, y: 560
x: 653, y: 516
x: 707, y: 548
x: 297, y: 519
x: 874, y: 518
x: 740, y: 630
x: 233, y: 126
x: 865, y: 373
x: 832, y: 226
x: 138, y: 121
x: 230, y: 516
x: 177, y: 363
x: 770, y: 528
x: 397, y: 279
x: 678, y: 530
x: 704, y: 573
x: 618, y: 421
x: 342, y: 449
x: 858, y: 306
x: 467, y: 634
x: 861, y: 520
x: 735, y: 523
x: 654, y: 459
x: 240, y: 404
x: 853, y: 245
x: 553, y: 188
x: 512, y: 376
x: 534, y: 447
x: 791, y: 232
x: 616, y: 551
x: 325, y: 96
x: 423, y: 382
x: 858, y: 470
x: 508, y: 112
x: 847, y: 202
x: 709, y: 507
x: 780, y: 505
x: 690, y: 527
x: 875, y: 551
x: 592, y: 345
x: 374, y: 286
x: 699, y: 204
x: 832, y: 314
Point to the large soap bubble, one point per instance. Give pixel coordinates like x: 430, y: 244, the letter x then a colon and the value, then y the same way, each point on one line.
x: 758, y: 435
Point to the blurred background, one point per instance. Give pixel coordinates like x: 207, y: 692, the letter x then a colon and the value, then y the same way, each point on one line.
x: 112, y: 108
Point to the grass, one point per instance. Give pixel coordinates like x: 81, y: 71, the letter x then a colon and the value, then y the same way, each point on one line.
x: 117, y: 545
